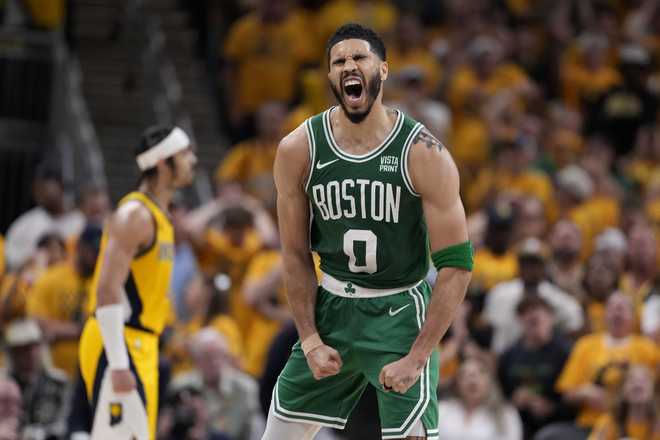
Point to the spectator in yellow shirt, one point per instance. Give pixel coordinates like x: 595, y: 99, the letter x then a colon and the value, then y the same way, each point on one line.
x: 511, y: 175
x: 15, y: 285
x: 227, y: 233
x: 250, y: 163
x: 58, y: 301
x: 597, y: 364
x: 601, y: 280
x: 639, y: 281
x: 495, y: 261
x: 586, y: 76
x: 265, y: 49
x: 410, y: 50
x: 206, y: 302
x: 636, y: 414
x: 379, y: 15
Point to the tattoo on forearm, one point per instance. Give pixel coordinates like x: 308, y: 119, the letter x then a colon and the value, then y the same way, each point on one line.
x: 431, y: 142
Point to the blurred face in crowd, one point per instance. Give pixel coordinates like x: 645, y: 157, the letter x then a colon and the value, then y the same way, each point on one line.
x: 531, y: 219
x: 473, y: 382
x: 270, y: 120
x: 532, y: 270
x: 210, y: 355
x: 86, y: 258
x: 566, y: 242
x: 49, y: 193
x: 197, y: 296
x: 638, y: 387
x: 10, y: 399
x: 642, y: 249
x: 356, y: 76
x: 537, y: 324
x: 95, y: 205
x: 409, y: 31
x: 619, y: 316
x: 50, y: 250
x: 601, y: 278
x: 26, y: 360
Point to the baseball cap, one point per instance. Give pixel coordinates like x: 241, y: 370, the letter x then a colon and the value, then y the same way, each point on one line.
x: 23, y: 332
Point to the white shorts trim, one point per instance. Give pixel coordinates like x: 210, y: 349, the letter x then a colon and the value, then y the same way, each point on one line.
x: 350, y: 290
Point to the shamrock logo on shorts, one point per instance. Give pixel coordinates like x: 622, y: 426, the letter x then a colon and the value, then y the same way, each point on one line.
x: 349, y: 289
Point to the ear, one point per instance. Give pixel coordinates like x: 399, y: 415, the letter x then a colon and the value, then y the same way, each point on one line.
x: 384, y: 70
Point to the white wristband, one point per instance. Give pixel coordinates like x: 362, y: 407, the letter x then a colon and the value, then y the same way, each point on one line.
x: 111, y: 321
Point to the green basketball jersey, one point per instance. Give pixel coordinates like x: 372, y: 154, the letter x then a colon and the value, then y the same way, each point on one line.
x: 367, y: 222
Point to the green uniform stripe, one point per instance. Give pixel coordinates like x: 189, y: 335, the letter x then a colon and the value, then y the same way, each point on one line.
x: 359, y: 158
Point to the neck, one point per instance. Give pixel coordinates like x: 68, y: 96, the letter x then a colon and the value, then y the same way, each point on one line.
x: 638, y: 411
x: 531, y: 343
x: 160, y: 193
x: 642, y: 274
x: 376, y: 122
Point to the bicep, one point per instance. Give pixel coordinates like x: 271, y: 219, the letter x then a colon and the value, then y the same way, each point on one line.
x: 436, y: 178
x: 127, y: 231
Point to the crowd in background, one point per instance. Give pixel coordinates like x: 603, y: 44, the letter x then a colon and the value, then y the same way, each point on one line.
x: 550, y: 110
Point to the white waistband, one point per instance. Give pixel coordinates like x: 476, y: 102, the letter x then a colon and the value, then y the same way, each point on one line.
x: 350, y: 290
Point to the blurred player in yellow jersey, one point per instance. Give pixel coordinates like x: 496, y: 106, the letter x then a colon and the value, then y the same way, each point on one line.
x: 129, y: 296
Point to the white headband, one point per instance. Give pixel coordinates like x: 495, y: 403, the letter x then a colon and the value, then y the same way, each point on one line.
x: 176, y: 141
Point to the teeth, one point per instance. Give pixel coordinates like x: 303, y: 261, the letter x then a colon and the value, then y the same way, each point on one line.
x: 351, y: 82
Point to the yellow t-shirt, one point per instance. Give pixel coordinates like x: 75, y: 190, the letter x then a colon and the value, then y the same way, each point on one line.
x: 13, y: 295
x: 491, y: 269
x: 379, y: 15
x: 48, y: 14
x: 580, y: 83
x: 220, y: 255
x: 60, y: 294
x: 260, y: 334
x: 592, y: 217
x: 419, y: 57
x: 466, y: 82
x: 595, y: 360
x: 606, y: 428
x: 267, y: 58
x: 251, y: 163
x: 261, y: 330
x: 528, y: 183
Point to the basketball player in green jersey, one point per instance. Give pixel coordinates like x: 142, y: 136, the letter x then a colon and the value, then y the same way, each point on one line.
x: 377, y: 196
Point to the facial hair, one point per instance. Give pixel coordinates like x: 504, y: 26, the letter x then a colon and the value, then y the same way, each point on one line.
x: 372, y: 91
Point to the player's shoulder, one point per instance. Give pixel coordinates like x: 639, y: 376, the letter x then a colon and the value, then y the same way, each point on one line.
x: 131, y: 216
x: 428, y: 156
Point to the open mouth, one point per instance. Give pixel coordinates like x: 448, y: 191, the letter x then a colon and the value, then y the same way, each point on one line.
x: 353, y: 90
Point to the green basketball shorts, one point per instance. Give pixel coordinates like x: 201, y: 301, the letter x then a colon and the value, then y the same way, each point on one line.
x: 369, y: 328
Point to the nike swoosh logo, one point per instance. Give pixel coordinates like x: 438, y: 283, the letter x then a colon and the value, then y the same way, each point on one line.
x: 320, y: 166
x: 396, y: 312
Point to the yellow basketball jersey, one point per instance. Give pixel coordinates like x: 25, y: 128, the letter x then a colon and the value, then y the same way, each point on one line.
x: 148, y: 283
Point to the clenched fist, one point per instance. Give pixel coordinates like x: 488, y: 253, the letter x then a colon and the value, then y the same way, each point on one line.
x: 399, y: 376
x: 324, y: 361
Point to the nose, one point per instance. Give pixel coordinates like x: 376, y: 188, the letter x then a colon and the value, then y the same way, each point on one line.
x: 350, y: 65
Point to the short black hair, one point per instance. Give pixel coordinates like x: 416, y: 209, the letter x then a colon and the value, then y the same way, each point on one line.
x: 150, y: 137
x: 531, y: 302
x: 356, y: 31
